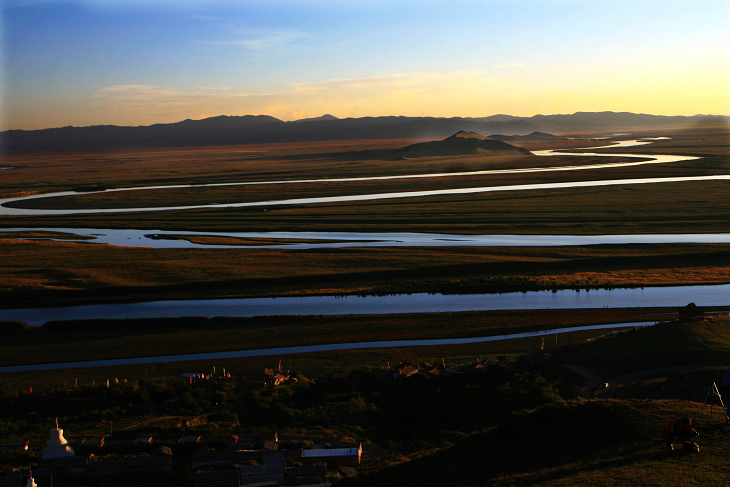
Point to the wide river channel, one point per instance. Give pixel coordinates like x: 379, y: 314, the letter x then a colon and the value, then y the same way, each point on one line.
x: 718, y: 295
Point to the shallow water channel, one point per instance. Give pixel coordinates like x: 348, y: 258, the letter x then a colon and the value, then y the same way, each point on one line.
x: 169, y: 239
x: 305, y: 349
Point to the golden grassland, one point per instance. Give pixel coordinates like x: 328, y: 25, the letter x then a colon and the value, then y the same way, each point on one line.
x: 45, y: 172
x: 686, y: 207
x: 44, y: 272
x: 56, y: 273
x: 564, y: 443
x: 673, y: 208
x: 142, y: 198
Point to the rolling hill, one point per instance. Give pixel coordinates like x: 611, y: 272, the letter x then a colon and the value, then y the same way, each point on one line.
x: 572, y: 443
x: 459, y: 144
x: 599, y: 442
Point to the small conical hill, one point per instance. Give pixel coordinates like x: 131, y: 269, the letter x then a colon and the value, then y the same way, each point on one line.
x: 461, y: 143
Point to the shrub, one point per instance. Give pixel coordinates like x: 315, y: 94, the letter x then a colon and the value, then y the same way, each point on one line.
x: 13, y: 327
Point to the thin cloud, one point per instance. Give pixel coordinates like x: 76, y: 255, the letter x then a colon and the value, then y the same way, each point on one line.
x: 137, y: 92
x: 396, y: 93
x: 509, y: 65
x: 413, y: 83
x: 259, y: 40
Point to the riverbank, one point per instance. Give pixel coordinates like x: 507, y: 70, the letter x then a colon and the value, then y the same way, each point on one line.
x: 45, y: 273
x: 123, y: 338
x: 69, y: 341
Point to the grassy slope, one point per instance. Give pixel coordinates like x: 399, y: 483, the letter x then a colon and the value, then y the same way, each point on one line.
x: 579, y: 442
x: 665, y: 345
x: 67, y: 341
x: 604, y: 442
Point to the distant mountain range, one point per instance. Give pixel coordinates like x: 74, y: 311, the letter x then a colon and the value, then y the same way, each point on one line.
x: 247, y: 129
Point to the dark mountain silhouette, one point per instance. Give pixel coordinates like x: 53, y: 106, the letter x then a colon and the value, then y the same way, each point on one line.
x: 533, y: 136
x: 460, y: 144
x: 326, y: 116
x: 501, y: 117
x: 248, y: 129
x: 226, y: 130
x: 220, y: 130
x: 590, y: 121
x: 539, y: 136
x: 503, y: 137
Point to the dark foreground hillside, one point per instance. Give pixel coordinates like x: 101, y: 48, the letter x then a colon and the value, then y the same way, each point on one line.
x: 589, y: 442
x: 601, y: 442
x: 502, y: 421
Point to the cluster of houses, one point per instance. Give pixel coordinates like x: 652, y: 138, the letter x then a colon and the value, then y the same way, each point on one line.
x: 407, y: 369
x: 270, y: 376
x: 271, y: 466
x: 432, y: 369
x: 220, y: 461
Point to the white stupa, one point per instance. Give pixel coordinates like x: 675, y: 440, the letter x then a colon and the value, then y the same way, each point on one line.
x: 57, y: 446
x: 31, y: 482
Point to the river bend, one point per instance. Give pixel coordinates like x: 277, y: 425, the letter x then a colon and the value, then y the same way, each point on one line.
x: 642, y: 159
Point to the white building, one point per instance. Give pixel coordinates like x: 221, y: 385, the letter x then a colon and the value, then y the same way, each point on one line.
x: 57, y: 446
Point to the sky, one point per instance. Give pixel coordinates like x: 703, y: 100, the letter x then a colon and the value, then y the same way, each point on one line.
x: 98, y: 62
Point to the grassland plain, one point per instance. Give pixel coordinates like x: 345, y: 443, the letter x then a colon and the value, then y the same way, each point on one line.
x: 42, y: 273
x: 42, y: 173
x: 704, y: 343
x: 557, y: 445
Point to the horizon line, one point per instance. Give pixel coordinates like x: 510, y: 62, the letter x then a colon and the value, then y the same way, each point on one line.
x: 368, y: 116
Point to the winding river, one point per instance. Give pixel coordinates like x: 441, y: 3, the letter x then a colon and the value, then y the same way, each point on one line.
x: 648, y: 297
x: 13, y: 206
x: 177, y: 239
x: 414, y: 303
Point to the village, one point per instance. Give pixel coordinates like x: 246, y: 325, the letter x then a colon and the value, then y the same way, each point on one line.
x: 223, y: 460
x: 262, y: 457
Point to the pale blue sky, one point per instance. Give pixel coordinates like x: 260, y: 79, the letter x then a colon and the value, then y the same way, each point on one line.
x: 92, y: 62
